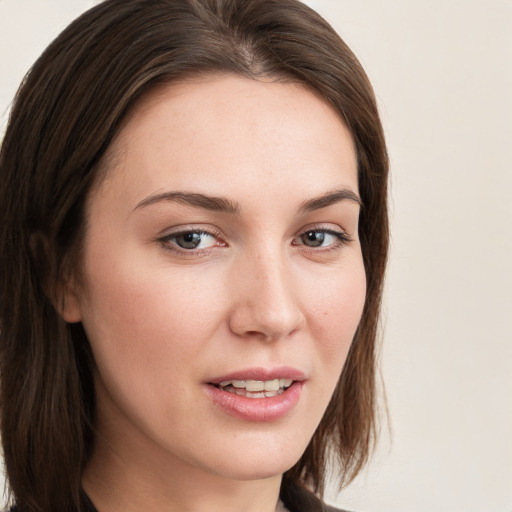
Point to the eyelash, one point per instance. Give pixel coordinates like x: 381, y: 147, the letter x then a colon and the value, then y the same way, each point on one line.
x: 169, y: 244
x: 342, y: 239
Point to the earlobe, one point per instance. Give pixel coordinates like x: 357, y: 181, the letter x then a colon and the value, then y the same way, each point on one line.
x: 68, y: 305
x: 61, y: 292
x: 69, y: 309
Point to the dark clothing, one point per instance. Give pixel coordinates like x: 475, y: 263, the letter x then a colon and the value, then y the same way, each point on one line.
x: 294, y: 497
x: 298, y: 499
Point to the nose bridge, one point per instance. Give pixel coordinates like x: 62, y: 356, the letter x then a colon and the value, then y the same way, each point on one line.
x: 266, y: 301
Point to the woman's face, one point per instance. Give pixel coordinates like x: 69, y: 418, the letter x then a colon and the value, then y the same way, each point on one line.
x: 223, y: 277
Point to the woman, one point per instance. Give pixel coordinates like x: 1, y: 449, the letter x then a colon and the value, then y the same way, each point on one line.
x: 194, y: 235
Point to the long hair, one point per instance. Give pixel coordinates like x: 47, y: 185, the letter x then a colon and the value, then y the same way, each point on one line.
x: 67, y: 111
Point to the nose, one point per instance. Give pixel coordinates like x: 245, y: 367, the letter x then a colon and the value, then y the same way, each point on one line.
x: 265, y: 302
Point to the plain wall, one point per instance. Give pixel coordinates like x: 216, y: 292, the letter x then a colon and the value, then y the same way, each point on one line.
x: 442, y: 71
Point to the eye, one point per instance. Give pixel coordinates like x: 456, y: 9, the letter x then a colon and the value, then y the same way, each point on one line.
x: 190, y: 240
x: 327, y: 238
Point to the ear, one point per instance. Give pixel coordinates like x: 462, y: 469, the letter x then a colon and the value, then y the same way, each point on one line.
x: 68, y: 303
x: 62, y: 292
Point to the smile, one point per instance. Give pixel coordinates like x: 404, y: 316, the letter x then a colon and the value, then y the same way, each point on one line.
x: 257, y: 394
x: 256, y: 388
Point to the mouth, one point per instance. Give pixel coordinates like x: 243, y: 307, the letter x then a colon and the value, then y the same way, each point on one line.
x: 257, y: 394
x: 255, y: 388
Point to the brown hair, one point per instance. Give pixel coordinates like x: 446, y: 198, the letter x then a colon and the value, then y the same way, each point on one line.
x: 65, y: 116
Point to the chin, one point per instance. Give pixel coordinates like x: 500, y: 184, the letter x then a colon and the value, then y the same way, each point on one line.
x: 260, y: 461
x: 249, y: 473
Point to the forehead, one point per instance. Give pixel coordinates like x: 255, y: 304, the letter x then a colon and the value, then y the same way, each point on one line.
x: 226, y: 130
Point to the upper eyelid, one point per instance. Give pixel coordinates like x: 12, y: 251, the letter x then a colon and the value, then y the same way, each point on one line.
x: 328, y: 228
x: 181, y: 230
x: 186, y: 231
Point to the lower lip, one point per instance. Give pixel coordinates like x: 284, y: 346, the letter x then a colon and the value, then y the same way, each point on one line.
x: 256, y: 409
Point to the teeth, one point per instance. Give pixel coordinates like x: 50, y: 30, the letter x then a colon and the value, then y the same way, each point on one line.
x: 248, y: 394
x: 272, y: 385
x: 255, y: 385
x: 256, y: 388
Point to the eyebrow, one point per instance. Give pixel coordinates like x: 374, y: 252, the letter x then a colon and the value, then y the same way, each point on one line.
x: 215, y: 204
x: 224, y: 205
x: 330, y: 198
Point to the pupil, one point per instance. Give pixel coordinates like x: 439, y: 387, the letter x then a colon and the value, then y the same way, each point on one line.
x: 314, y: 238
x: 189, y: 240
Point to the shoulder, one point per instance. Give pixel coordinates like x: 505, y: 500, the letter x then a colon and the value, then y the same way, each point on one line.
x: 297, y: 498
x: 86, y: 503
x: 329, y: 508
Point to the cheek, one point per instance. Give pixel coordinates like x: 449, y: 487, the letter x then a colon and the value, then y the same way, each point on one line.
x: 147, y: 333
x: 336, y: 313
x: 146, y: 323
x: 148, y: 312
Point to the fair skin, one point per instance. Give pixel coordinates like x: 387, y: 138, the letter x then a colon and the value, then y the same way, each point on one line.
x: 263, y: 283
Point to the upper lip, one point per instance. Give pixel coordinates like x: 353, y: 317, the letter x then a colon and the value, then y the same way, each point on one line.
x: 262, y: 374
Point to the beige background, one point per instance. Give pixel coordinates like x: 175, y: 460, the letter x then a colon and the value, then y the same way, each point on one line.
x: 443, y: 74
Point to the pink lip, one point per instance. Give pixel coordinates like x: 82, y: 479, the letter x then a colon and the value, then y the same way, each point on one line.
x: 257, y: 409
x: 283, y: 372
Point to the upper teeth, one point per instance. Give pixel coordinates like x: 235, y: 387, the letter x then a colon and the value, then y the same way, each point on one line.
x: 258, y: 385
